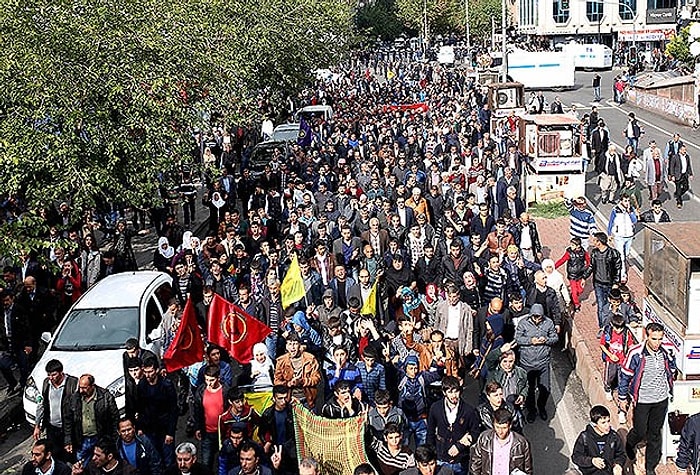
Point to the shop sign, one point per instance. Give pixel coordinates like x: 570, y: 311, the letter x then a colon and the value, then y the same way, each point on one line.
x: 661, y: 15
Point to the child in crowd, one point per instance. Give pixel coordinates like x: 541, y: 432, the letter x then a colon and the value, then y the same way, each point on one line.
x: 578, y: 260
x: 413, y: 398
x: 598, y: 449
x: 615, y: 340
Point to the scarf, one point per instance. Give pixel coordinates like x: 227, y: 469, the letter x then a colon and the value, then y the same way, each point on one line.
x: 168, y: 252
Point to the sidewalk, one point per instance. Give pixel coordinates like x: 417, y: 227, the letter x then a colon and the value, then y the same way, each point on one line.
x: 586, y: 351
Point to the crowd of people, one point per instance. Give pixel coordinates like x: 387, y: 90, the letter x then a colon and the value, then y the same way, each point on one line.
x: 422, y: 211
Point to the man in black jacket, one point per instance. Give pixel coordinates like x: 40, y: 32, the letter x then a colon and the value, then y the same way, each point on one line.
x: 57, y: 387
x: 43, y: 461
x: 453, y: 426
x: 606, y: 269
x: 277, y: 429
x: 157, y: 409
x: 546, y: 296
x: 92, y: 413
x: 15, y: 344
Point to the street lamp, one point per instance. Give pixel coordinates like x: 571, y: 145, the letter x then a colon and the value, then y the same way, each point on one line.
x: 504, y: 68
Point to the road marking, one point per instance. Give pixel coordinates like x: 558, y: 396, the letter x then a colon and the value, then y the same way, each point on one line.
x: 660, y: 129
x: 568, y: 426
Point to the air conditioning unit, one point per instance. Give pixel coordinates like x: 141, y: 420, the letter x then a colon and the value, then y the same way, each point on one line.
x: 506, y: 98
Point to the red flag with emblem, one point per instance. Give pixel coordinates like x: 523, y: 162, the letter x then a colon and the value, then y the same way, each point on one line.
x: 233, y: 329
x: 187, y: 347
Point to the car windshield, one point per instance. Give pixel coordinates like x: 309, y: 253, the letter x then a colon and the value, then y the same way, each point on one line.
x: 97, y: 329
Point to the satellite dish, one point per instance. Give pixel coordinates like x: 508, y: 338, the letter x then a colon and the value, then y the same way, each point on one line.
x: 694, y: 31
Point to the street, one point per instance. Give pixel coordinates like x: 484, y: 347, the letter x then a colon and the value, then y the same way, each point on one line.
x: 552, y: 441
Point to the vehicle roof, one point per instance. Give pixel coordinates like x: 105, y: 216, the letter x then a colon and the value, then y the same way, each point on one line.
x: 120, y: 290
x: 316, y: 108
x: 683, y: 235
x: 294, y: 126
x: 551, y: 119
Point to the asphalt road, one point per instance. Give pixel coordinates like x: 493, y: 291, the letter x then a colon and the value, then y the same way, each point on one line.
x: 657, y: 128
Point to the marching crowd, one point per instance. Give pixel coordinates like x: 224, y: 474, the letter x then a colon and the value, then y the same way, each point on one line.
x: 420, y: 210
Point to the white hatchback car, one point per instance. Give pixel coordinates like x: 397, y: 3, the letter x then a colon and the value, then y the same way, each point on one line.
x: 91, y: 337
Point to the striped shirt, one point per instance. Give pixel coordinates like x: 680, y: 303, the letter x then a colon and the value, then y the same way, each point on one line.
x: 653, y: 387
x: 582, y: 222
x: 389, y: 463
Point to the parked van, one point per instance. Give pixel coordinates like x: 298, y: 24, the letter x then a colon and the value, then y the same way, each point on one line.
x: 91, y: 337
x: 589, y: 56
x: 541, y: 69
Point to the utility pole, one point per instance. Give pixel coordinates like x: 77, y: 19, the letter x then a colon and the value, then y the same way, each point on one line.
x: 466, y: 25
x: 504, y: 72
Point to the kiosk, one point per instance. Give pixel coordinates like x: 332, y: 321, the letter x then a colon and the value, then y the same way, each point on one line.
x: 672, y: 280
x: 552, y: 144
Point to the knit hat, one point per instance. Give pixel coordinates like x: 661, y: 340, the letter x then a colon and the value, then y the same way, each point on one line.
x: 411, y: 359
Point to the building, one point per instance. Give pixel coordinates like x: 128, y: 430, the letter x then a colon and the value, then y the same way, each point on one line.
x: 650, y: 22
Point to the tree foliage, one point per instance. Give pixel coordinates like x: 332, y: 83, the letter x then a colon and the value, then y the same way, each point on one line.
x: 448, y: 16
x: 379, y: 19
x: 679, y: 47
x: 99, y: 97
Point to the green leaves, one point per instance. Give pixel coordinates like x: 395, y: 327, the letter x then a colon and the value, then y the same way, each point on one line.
x: 99, y: 97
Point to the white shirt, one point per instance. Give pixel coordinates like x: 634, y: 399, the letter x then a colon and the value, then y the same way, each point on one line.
x: 452, y: 330
x: 525, y: 239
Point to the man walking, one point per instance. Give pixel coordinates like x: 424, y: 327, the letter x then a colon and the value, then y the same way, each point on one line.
x: 680, y: 172
x: 623, y: 218
x: 43, y: 461
x: 500, y: 450
x: 606, y: 269
x: 92, y: 413
x: 535, y: 336
x: 647, y: 381
x: 52, y: 410
x: 688, y: 454
x: 596, y: 88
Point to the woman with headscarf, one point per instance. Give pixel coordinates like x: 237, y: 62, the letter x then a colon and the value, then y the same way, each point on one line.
x: 412, y: 306
x: 556, y: 281
x: 261, y: 367
x: 163, y: 255
x: 430, y: 301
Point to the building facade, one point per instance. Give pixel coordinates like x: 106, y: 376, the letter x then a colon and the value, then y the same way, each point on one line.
x: 601, y: 21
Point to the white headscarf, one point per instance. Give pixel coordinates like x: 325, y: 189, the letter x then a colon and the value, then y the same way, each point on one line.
x: 186, y: 240
x: 168, y: 252
x: 555, y: 280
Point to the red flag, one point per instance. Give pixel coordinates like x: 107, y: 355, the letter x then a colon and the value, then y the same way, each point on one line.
x: 233, y: 329
x: 187, y: 347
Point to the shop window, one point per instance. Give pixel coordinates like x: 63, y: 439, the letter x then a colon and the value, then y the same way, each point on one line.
x: 560, y: 9
x: 594, y: 11
x: 628, y: 9
x: 656, y: 4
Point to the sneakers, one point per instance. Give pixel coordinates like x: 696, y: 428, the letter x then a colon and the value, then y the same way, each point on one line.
x: 622, y: 417
x: 608, y: 396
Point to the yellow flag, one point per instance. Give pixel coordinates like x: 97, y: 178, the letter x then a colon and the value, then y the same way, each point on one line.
x: 370, y: 305
x: 292, y: 288
x: 390, y: 74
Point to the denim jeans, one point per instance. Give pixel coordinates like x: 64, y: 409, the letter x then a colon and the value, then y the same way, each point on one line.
x: 166, y: 451
x: 623, y: 246
x: 601, y: 297
x: 210, y: 442
x: 84, y: 454
x: 419, y: 429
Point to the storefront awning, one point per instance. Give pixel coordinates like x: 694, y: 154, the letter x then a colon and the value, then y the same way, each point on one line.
x: 645, y: 35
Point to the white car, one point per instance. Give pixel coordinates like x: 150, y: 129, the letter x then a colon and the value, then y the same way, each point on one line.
x: 90, y: 338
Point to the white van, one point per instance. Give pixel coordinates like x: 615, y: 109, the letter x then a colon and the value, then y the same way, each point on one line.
x: 589, y: 56
x: 323, y: 112
x: 90, y: 338
x: 542, y: 69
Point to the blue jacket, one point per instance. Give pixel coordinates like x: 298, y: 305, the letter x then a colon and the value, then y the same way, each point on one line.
x: 633, y: 368
x: 688, y: 446
x: 148, y: 460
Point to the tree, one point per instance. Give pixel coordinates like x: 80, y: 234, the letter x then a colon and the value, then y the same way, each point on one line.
x: 448, y: 16
x: 679, y: 47
x: 480, y: 15
x: 99, y: 98
x: 379, y: 19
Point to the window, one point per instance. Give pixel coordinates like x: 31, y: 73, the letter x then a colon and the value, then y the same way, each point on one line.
x: 97, y: 329
x: 594, y: 11
x: 628, y: 9
x: 560, y: 11
x: 655, y: 4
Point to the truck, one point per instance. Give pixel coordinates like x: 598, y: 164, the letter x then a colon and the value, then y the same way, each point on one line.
x: 542, y: 69
x: 589, y: 56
